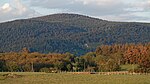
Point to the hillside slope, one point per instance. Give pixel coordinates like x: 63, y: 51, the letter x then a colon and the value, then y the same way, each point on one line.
x: 68, y: 33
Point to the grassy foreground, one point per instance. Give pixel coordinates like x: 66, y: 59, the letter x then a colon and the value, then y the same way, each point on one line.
x: 68, y: 78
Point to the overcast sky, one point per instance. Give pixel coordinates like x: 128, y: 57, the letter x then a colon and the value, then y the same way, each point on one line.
x: 112, y: 10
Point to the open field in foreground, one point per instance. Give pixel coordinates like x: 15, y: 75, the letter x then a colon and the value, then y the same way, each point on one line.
x: 69, y: 78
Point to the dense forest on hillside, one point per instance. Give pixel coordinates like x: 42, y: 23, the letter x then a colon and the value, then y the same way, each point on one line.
x: 72, y: 33
x: 104, y: 58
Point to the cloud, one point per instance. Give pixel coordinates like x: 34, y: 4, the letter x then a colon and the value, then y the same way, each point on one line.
x: 141, y: 6
x: 18, y: 11
x: 92, y: 7
x: 117, y: 10
x: 6, y: 6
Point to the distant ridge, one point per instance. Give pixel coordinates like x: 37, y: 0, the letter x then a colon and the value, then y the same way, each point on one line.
x: 73, y: 33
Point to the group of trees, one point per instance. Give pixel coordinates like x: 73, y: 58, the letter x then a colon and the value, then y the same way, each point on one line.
x: 134, y: 54
x: 26, y: 61
x: 105, y: 58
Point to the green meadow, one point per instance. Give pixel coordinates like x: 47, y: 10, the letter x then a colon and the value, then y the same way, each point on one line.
x: 69, y: 78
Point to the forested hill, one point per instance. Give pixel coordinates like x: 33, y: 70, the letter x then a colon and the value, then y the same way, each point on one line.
x: 73, y: 33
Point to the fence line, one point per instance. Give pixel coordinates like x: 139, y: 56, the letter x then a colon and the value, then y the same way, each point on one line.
x: 110, y: 73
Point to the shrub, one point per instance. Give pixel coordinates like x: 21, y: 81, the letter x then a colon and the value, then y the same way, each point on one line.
x: 45, y: 70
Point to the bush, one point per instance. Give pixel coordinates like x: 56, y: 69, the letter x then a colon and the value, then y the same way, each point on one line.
x: 45, y: 70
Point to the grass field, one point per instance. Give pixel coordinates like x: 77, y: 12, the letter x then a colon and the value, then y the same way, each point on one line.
x: 68, y: 78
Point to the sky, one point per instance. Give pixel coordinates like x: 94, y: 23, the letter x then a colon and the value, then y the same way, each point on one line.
x: 112, y: 10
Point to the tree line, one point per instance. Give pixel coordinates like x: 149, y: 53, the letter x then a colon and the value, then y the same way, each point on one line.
x: 104, y: 58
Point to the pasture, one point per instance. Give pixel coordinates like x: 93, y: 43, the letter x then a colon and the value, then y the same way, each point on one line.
x: 69, y: 78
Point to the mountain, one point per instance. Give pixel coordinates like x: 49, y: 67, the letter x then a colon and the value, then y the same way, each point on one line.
x: 73, y: 33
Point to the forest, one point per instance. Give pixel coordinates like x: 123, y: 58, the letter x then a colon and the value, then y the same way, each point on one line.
x: 105, y: 58
x: 61, y: 33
